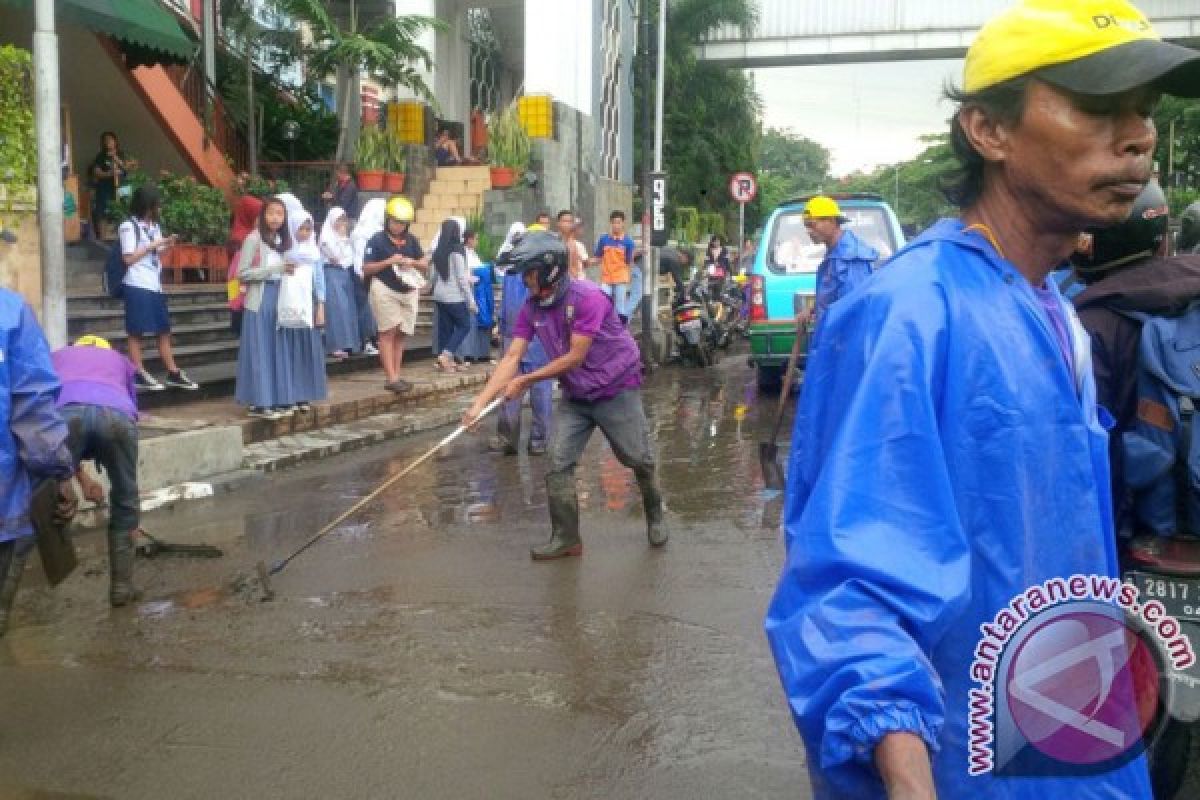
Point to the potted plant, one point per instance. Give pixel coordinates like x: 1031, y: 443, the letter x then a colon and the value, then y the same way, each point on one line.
x: 199, y: 215
x: 372, y: 159
x: 393, y: 180
x: 508, y: 147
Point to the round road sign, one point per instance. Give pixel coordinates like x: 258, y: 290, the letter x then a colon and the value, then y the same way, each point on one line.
x: 743, y: 187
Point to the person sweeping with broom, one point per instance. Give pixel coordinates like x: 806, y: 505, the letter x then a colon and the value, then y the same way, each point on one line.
x: 599, y: 368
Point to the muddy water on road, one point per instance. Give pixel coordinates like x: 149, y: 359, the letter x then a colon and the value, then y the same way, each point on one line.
x: 417, y: 652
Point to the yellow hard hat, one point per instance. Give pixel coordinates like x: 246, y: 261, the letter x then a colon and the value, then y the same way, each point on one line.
x: 822, y: 206
x: 399, y: 208
x: 93, y: 341
x: 1086, y: 46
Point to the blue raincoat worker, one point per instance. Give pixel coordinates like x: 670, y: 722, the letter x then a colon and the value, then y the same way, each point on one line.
x: 848, y: 260
x: 949, y: 456
x: 33, y: 436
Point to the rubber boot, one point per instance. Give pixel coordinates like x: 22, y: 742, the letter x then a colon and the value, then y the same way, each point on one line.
x: 12, y: 566
x: 121, y: 591
x: 656, y: 525
x: 564, y: 519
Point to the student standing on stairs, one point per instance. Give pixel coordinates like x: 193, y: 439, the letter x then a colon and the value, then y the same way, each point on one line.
x: 145, y: 304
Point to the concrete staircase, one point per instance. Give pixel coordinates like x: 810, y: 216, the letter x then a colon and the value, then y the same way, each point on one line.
x: 204, y: 343
x: 454, y: 192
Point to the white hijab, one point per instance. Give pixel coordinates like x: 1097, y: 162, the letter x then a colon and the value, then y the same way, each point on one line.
x: 293, y: 205
x: 514, y: 230
x: 370, y: 222
x: 305, y: 253
x: 336, y: 249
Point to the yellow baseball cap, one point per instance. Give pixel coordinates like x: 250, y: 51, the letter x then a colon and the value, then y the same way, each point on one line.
x: 1090, y: 47
x: 822, y: 206
x: 90, y: 340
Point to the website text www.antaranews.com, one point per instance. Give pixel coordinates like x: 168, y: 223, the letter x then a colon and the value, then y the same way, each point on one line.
x: 1055, y: 592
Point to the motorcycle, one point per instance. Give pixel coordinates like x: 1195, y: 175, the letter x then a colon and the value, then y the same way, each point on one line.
x: 698, y: 333
x: 1168, y: 570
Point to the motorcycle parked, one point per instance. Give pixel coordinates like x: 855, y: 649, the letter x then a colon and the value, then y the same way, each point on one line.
x: 699, y: 335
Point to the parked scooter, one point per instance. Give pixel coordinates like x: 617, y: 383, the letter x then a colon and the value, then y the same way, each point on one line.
x: 697, y: 332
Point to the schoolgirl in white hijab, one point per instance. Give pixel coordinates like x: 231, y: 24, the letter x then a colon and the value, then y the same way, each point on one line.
x: 341, y: 313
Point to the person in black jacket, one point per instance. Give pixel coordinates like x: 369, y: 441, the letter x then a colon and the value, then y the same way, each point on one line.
x: 343, y: 193
x: 1125, y: 270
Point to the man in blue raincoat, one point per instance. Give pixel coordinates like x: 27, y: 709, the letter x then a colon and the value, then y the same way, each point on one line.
x: 848, y: 260
x: 949, y: 465
x: 33, y: 436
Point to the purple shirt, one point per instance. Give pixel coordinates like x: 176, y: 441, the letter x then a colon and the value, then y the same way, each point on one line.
x: 613, y: 362
x: 94, y: 376
x: 1058, y: 323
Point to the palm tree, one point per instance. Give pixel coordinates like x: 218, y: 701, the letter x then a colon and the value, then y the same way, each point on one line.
x: 386, y: 48
x: 712, y: 112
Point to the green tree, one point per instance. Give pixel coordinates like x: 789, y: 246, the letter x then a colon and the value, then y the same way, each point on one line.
x: 386, y: 48
x: 1181, y: 115
x: 794, y: 156
x: 913, y: 187
x: 789, y: 165
x: 711, y: 114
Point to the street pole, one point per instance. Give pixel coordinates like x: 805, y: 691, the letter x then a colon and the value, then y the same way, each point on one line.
x: 896, y: 193
x: 210, y: 62
x: 649, y: 275
x: 1167, y: 176
x: 49, y: 174
x: 251, y: 117
x: 650, y: 261
x: 741, y: 230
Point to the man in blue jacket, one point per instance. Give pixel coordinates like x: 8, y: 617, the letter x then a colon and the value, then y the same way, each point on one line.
x: 32, y: 436
x: 949, y: 476
x: 848, y: 260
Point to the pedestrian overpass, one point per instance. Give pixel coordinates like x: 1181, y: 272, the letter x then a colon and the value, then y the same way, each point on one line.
x: 805, y: 32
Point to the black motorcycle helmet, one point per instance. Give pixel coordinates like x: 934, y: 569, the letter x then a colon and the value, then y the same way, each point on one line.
x: 542, y: 251
x: 1105, y: 250
x: 1189, y: 228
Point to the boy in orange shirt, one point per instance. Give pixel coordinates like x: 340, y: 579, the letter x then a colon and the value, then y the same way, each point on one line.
x: 614, y: 252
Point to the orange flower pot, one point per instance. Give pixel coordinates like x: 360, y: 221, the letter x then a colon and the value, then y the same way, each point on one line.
x: 393, y: 182
x: 503, y: 177
x: 371, y: 180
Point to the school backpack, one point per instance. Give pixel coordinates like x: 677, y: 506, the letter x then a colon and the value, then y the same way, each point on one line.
x: 235, y: 291
x: 1161, y: 451
x: 114, y: 266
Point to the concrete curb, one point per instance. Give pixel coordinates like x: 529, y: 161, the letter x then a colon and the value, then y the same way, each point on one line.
x: 291, y: 450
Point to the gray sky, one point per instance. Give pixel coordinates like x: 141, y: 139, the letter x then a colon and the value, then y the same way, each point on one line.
x: 866, y: 114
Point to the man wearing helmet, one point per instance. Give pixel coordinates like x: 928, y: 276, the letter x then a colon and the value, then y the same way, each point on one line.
x: 393, y: 262
x: 949, y: 460
x: 1125, y: 271
x: 599, y: 368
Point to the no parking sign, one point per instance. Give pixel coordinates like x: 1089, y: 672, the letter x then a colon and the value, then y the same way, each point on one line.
x: 743, y: 188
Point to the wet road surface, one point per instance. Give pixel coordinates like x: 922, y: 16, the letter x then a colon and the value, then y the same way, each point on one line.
x: 417, y: 652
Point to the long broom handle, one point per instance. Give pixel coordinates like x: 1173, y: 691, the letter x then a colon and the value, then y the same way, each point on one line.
x: 492, y: 406
x: 786, y: 389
